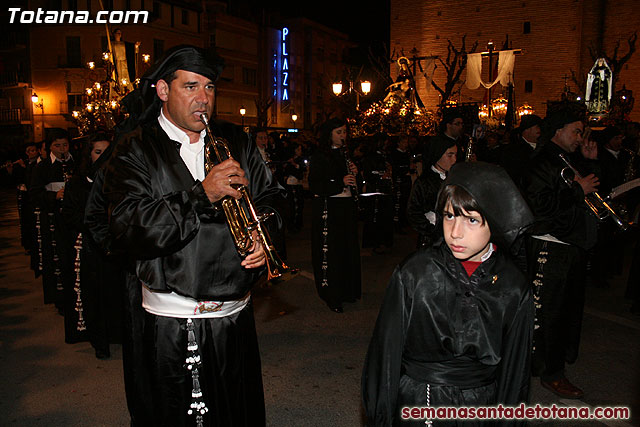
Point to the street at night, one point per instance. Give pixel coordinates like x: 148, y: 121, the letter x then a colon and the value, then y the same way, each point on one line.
x: 311, y: 357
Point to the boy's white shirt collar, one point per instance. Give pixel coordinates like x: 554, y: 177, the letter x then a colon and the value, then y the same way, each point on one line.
x: 486, y: 256
x: 53, y: 158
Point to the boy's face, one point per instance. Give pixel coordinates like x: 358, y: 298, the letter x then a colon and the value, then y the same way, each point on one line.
x: 32, y: 152
x: 467, y: 235
x: 60, y: 148
x: 448, y: 159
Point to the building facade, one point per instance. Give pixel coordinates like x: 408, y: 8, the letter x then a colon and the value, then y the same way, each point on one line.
x: 285, y: 65
x: 555, y: 38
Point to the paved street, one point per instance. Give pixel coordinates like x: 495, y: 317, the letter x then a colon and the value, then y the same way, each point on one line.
x: 311, y: 357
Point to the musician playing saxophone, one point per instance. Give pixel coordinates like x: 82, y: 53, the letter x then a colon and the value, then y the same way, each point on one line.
x: 195, y: 285
x: 557, y: 247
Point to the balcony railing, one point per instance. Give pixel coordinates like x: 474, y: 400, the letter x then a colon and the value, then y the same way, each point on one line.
x: 12, y: 78
x: 14, y: 115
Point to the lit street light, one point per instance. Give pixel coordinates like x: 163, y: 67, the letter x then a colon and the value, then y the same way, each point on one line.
x: 365, y: 89
x: 40, y: 105
x: 294, y: 117
x: 243, y: 111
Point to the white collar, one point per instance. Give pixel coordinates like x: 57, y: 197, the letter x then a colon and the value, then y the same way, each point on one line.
x: 614, y: 153
x: 175, y: 133
x: 53, y: 158
x: 532, y: 144
x: 443, y: 175
x: 486, y: 256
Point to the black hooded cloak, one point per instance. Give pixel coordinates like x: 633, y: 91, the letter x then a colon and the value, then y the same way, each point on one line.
x: 444, y: 338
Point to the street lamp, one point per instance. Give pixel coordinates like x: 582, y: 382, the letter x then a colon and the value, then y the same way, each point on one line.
x: 294, y: 117
x: 365, y: 89
x: 243, y: 111
x: 40, y: 105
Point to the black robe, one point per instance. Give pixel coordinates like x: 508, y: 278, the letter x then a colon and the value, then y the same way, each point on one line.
x: 468, y: 338
x: 401, y: 165
x: 515, y: 158
x: 422, y: 200
x: 340, y: 281
x: 137, y: 384
x: 378, y: 209
x: 162, y: 218
x: 101, y: 279
x: 56, y: 243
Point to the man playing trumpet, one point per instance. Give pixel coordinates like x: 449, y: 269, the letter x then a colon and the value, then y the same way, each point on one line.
x: 557, y: 249
x: 200, y: 342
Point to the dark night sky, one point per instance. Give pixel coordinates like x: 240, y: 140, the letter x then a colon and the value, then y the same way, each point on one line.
x: 364, y: 21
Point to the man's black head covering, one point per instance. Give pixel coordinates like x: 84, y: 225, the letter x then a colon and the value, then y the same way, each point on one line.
x: 529, y: 121
x: 435, y: 148
x: 558, y: 119
x: 450, y: 114
x: 143, y: 103
x: 498, y: 198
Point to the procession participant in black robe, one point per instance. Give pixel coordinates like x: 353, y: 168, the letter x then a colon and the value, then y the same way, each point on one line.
x: 20, y: 172
x: 608, y: 254
x: 377, y: 200
x: 440, y: 154
x: 294, y: 171
x: 456, y: 322
x: 200, y: 341
x: 516, y: 155
x: 136, y: 376
x: 47, y: 193
x: 400, y: 160
x: 335, y: 251
x: 452, y: 128
x: 35, y: 226
x: 94, y: 302
x: 557, y: 248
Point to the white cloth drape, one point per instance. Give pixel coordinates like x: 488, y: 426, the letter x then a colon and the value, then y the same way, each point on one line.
x: 428, y: 69
x: 506, y: 62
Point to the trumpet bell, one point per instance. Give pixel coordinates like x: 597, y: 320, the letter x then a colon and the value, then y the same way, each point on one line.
x: 278, y: 271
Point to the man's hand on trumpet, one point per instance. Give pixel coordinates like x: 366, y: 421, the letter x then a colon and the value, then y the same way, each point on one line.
x: 256, y: 257
x: 222, y: 178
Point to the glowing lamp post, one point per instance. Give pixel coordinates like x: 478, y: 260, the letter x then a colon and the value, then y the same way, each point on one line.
x: 365, y: 89
x: 38, y: 103
x: 243, y: 111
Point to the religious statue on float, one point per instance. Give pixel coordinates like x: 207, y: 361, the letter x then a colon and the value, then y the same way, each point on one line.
x: 599, y: 87
x: 124, y: 58
x: 404, y: 88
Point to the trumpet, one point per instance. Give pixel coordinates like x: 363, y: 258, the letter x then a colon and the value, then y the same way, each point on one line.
x: 598, y: 206
x: 241, y: 214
